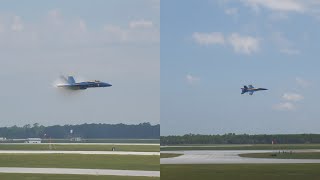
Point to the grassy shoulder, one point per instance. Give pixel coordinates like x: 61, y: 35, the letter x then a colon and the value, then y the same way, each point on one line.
x: 242, y: 147
x: 169, y: 155
x: 79, y: 147
x: 241, y: 172
x: 69, y: 177
x: 284, y: 155
x: 122, y: 162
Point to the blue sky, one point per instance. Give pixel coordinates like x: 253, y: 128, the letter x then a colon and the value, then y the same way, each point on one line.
x: 113, y: 41
x: 210, y: 49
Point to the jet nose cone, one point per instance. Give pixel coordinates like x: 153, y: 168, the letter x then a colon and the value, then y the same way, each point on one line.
x: 107, y: 85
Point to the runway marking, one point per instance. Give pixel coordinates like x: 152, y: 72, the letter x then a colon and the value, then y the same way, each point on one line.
x: 80, y: 152
x: 79, y: 171
x: 230, y: 157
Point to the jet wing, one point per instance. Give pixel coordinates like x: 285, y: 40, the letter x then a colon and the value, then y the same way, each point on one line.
x: 63, y: 85
x: 67, y: 85
x: 251, y: 92
x: 250, y: 86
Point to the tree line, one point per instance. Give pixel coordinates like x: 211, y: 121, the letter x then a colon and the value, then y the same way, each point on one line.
x: 232, y: 138
x: 86, y: 131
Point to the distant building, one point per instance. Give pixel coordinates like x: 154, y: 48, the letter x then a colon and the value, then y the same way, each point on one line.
x: 33, y: 140
x: 3, y: 139
x: 76, y: 139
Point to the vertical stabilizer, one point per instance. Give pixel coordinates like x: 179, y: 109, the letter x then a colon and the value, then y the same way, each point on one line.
x: 71, y: 80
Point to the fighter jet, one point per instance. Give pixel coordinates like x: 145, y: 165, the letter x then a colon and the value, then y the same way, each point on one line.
x: 70, y: 83
x: 250, y: 89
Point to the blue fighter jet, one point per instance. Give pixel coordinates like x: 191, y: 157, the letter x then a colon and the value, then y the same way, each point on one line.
x: 70, y: 83
x: 250, y: 89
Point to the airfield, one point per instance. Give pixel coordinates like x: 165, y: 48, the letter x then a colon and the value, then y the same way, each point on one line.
x: 240, y: 162
x: 80, y: 161
x: 230, y: 157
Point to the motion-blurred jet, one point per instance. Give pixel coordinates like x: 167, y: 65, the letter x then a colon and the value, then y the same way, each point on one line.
x: 250, y: 89
x: 70, y: 83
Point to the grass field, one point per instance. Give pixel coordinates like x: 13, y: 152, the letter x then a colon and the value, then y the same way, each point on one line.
x: 169, y: 155
x: 79, y: 147
x: 241, y: 172
x: 287, y: 155
x: 123, y: 162
x: 243, y: 147
x: 5, y: 176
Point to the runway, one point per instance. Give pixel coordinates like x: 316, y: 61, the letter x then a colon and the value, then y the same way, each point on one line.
x: 79, y: 171
x: 133, y: 144
x: 80, y: 152
x: 229, y: 145
x: 229, y: 157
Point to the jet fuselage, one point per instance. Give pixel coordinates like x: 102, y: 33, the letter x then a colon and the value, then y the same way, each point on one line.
x: 251, y: 89
x: 72, y: 84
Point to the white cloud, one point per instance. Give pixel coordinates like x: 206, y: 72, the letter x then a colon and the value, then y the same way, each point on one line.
x: 55, y: 16
x: 302, y: 82
x: 155, y: 4
x: 292, y: 97
x: 276, y: 5
x: 231, y: 11
x: 240, y: 44
x: 208, y: 38
x: 82, y: 25
x: 285, y: 106
x: 285, y: 46
x: 192, y: 79
x: 2, y: 27
x: 17, y: 24
x: 141, y: 24
x: 57, y: 31
x: 277, y: 16
x: 290, y: 51
x: 116, y: 32
x: 244, y: 44
x: 138, y: 31
x: 280, y: 9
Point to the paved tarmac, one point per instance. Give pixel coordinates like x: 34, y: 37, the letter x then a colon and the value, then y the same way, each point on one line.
x: 133, y: 144
x: 227, y: 145
x: 229, y: 157
x: 79, y: 171
x: 79, y: 152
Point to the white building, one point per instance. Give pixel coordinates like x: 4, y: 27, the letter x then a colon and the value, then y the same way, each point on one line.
x: 33, y: 140
x: 76, y: 139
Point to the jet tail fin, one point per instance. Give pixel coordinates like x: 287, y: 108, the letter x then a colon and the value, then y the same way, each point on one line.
x: 244, y: 89
x: 71, y: 80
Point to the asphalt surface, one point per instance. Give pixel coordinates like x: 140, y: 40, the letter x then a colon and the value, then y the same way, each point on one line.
x: 228, y: 145
x: 79, y: 152
x: 229, y: 157
x: 79, y: 171
x: 133, y: 144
